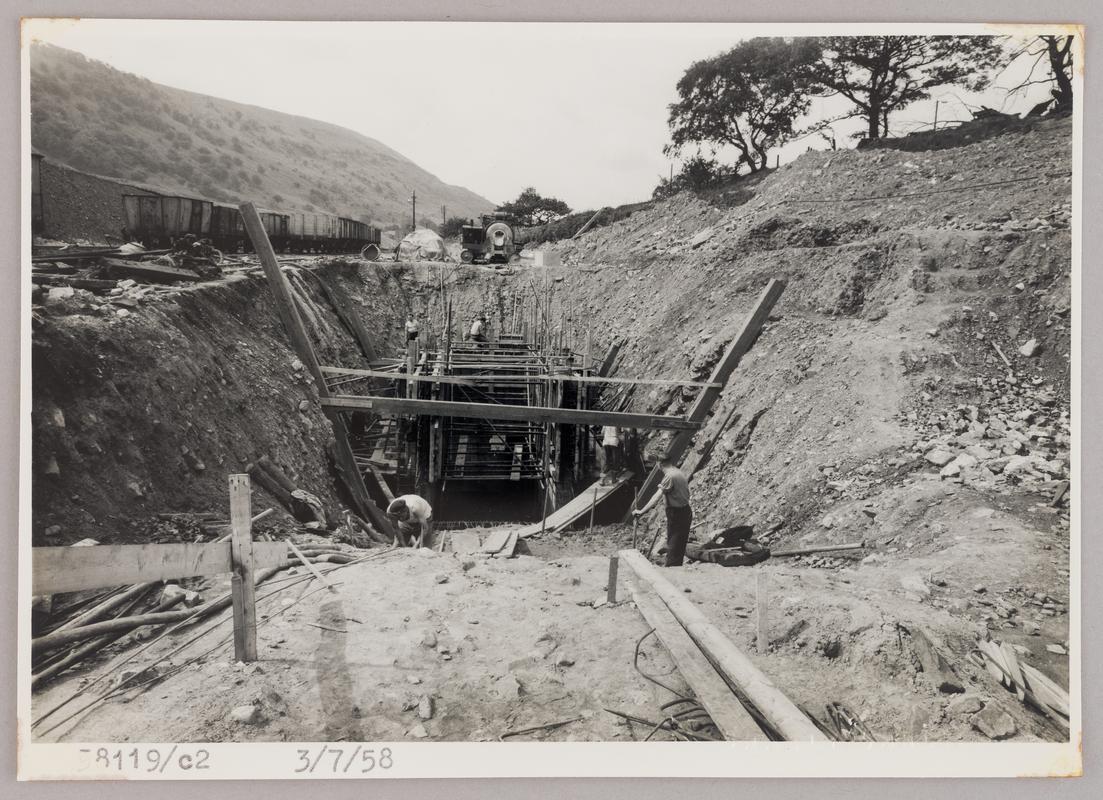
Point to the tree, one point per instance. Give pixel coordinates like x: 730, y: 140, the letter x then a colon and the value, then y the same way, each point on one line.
x: 746, y: 98
x: 530, y: 208
x: 882, y: 74
x: 1057, y: 50
x: 453, y: 227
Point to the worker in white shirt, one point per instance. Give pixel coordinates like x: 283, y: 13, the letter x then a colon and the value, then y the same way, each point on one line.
x: 411, y: 328
x: 478, y: 329
x: 610, y: 443
x: 412, y: 515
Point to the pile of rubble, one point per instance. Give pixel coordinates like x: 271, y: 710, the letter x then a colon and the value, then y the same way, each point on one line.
x: 117, y: 301
x: 1022, y: 436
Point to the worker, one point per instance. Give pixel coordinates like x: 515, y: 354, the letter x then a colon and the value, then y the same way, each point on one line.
x: 411, y: 328
x: 610, y: 443
x: 412, y: 514
x: 679, y: 516
x: 478, y: 328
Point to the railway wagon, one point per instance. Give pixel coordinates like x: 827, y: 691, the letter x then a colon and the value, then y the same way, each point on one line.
x: 311, y: 232
x: 227, y: 227
x: 275, y: 225
x: 157, y: 221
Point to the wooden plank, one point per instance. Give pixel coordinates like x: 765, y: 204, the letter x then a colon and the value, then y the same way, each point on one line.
x: 634, y: 381
x: 310, y: 566
x: 611, y: 583
x: 509, y: 547
x: 73, y: 569
x: 733, y: 720
x: 825, y: 548
x: 761, y: 613
x: 1045, y: 690
x: 545, y: 414
x: 506, y: 379
x: 610, y: 357
x: 588, y: 223
x: 348, y: 316
x: 380, y: 453
x: 304, y: 349
x: 729, y: 660
x: 496, y: 540
x: 934, y: 664
x: 698, y: 458
x: 243, y: 583
x: 578, y: 507
x: 383, y: 487
x: 1012, y: 662
x: 739, y: 346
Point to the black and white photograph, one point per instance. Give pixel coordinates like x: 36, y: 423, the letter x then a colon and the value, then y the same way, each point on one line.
x: 397, y: 385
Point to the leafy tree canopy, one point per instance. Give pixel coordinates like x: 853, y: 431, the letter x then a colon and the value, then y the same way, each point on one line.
x: 882, y: 74
x: 747, y: 98
x: 530, y: 208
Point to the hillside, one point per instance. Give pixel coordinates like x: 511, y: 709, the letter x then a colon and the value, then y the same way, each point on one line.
x: 95, y: 118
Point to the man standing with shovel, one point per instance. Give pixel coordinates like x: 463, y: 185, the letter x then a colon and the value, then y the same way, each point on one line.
x: 679, y: 516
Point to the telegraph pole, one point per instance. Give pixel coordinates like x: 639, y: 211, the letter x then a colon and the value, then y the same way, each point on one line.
x: 935, y: 126
x: 443, y: 214
x: 413, y: 211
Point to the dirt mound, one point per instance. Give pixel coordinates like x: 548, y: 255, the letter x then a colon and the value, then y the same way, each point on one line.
x: 422, y: 245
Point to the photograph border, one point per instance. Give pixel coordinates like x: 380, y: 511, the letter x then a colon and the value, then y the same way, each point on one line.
x: 64, y: 761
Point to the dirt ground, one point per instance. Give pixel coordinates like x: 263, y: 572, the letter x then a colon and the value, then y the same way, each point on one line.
x: 498, y: 645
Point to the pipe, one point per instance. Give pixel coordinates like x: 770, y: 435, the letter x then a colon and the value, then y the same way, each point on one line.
x: 827, y: 548
x: 59, y: 638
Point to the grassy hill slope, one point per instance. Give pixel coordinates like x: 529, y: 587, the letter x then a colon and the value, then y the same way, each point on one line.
x: 96, y: 118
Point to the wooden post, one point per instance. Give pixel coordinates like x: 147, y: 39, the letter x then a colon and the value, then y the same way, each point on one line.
x: 611, y: 589
x: 300, y: 342
x: 635, y: 519
x: 593, y: 508
x: 761, y: 612
x: 547, y: 477
x: 243, y: 583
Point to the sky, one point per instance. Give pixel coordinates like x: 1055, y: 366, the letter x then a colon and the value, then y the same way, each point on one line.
x: 578, y: 111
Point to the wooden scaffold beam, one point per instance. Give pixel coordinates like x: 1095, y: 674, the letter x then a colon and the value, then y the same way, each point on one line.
x: 698, y: 413
x: 304, y: 349
x: 545, y: 414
